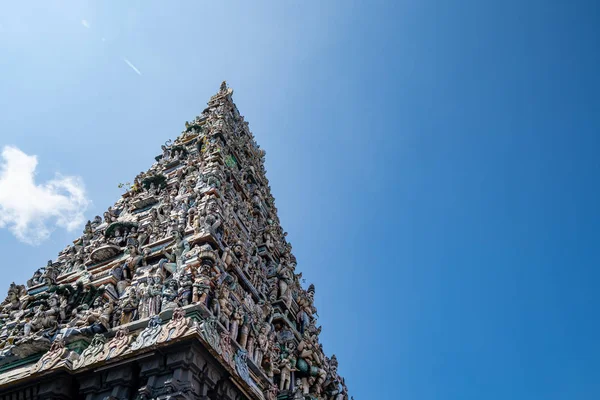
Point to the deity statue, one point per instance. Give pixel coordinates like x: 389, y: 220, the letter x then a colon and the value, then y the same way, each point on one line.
x: 133, y: 261
x: 208, y: 223
x: 215, y: 307
x: 166, y: 153
x: 225, y: 307
x: 271, y: 393
x: 155, y: 295
x: 45, y: 317
x: 285, y: 275
x: 85, y: 277
x: 202, y: 285
x: 11, y: 308
x: 235, y: 322
x: 129, y: 306
x: 176, y: 256
x: 155, y: 215
x: 152, y: 189
x: 143, y: 294
x: 299, y: 390
x: 307, y: 309
x: 245, y: 330
x: 169, y: 295
x: 50, y: 274
x: 268, y: 240
x: 91, y: 321
x: 285, y: 371
x: 96, y: 222
x: 118, y: 239
x: 262, y: 342
x: 185, y: 289
x: 36, y: 279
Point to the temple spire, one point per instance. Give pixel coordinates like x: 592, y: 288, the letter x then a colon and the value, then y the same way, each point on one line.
x: 191, y: 258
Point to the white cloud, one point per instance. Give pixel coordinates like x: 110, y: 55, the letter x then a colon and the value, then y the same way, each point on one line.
x: 85, y: 23
x: 32, y: 211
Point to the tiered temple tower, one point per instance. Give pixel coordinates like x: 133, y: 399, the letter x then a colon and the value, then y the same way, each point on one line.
x: 186, y: 288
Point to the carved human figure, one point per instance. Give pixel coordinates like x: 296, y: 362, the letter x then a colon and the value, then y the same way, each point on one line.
x: 225, y: 308
x: 215, y: 306
x: 201, y: 286
x: 185, y: 289
x: 271, y: 393
x: 177, y: 253
x: 50, y: 274
x: 143, y: 294
x: 306, y: 348
x: 286, y: 278
x: 306, y: 308
x: 268, y: 240
x: 45, y: 316
x: 169, y: 295
x: 85, y: 277
x: 133, y: 261
x: 129, y: 307
x: 285, y: 371
x: 11, y: 308
x: 310, y: 351
x: 156, y: 231
x: 235, y: 322
x: 91, y: 320
x: 245, y: 330
x: 262, y: 343
x: 156, y: 216
x: 299, y: 390
x: 251, y: 342
x: 155, y: 295
x: 152, y: 189
x: 203, y: 223
x: 118, y: 239
x: 166, y: 153
x: 36, y: 279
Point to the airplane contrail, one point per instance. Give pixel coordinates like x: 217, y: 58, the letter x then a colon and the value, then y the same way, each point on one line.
x: 137, y: 71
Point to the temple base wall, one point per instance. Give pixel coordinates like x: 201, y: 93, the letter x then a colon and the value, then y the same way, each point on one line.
x: 184, y: 371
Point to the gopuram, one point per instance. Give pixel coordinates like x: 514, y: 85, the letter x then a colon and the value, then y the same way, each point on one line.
x: 185, y: 288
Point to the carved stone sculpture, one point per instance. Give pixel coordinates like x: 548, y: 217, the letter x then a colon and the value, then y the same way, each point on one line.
x: 57, y: 353
x: 116, y: 346
x: 149, y: 335
x: 176, y: 327
x: 92, y: 352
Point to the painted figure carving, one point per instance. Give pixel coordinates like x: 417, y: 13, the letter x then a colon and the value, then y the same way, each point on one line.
x: 176, y: 255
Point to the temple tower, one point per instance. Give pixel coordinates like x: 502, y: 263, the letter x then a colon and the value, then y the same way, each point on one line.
x: 185, y: 288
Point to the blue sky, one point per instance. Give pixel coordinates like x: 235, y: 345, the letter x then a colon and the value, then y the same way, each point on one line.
x: 435, y: 165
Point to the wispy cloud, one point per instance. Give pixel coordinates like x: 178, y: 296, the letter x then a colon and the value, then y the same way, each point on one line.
x: 85, y: 23
x: 32, y: 211
x: 137, y: 71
